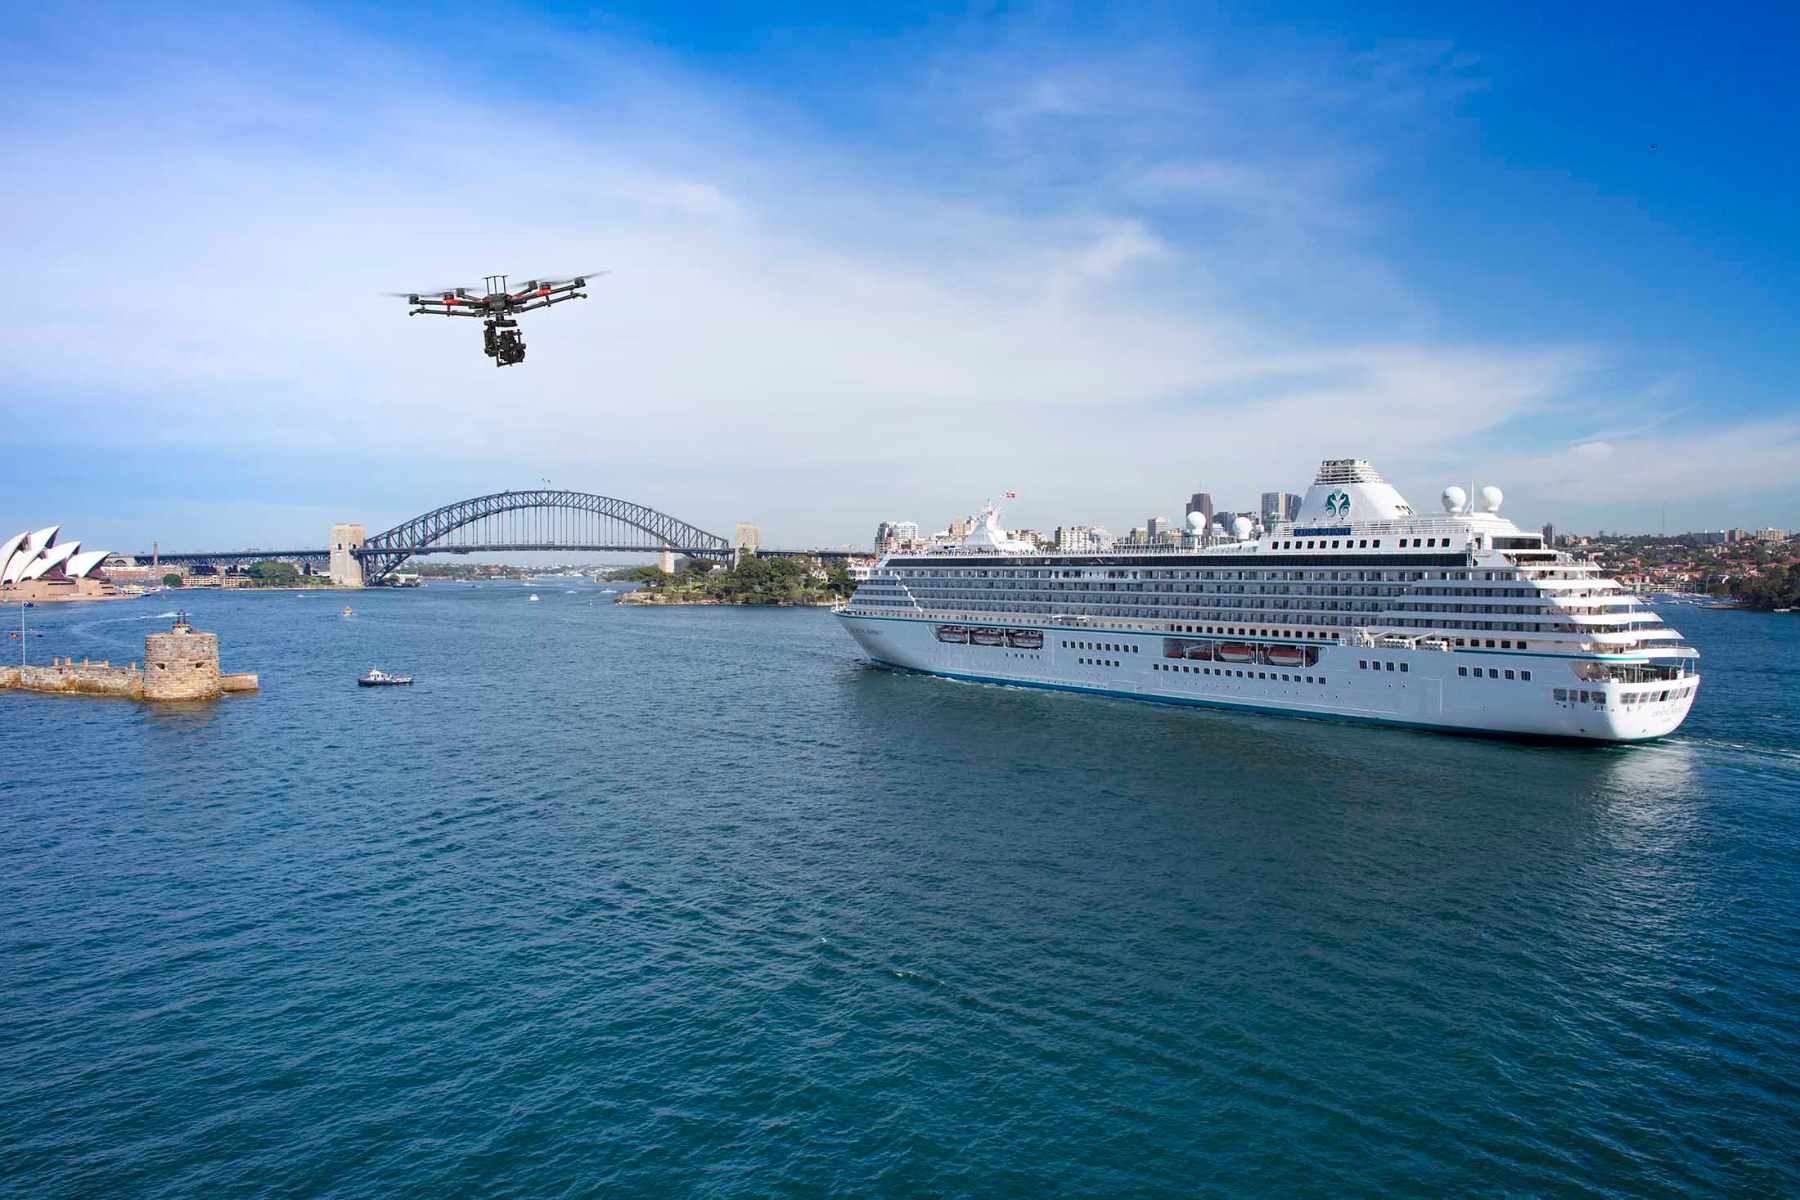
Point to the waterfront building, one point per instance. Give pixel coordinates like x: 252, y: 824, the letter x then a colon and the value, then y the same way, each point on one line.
x: 1357, y: 608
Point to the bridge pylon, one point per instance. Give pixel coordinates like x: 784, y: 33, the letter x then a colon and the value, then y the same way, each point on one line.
x: 665, y: 561
x: 346, y: 565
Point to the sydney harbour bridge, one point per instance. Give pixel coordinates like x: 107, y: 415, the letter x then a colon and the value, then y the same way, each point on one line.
x: 502, y: 522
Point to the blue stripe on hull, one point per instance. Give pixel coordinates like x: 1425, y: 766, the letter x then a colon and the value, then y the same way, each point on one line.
x: 1266, y: 709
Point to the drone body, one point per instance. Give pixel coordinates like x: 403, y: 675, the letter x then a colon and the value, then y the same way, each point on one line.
x: 501, y: 340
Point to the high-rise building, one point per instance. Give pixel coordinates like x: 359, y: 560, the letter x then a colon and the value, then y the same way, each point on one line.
x: 1155, y: 527
x: 895, y: 535
x: 1081, y: 539
x: 1549, y: 535
x: 1293, y: 506
x: 1201, y: 502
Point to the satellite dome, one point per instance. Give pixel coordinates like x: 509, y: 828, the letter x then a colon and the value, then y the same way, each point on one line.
x: 1197, y: 522
x: 1240, y: 528
x: 1454, y: 499
x: 1491, y: 497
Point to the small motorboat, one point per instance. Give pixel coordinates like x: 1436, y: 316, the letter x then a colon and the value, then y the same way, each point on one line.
x: 533, y: 596
x: 347, y: 612
x: 380, y: 678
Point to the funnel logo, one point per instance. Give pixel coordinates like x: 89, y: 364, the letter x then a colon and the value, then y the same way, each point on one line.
x: 1338, y: 504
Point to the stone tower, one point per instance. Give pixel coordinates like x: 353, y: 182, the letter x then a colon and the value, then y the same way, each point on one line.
x: 346, y: 568
x: 181, y: 664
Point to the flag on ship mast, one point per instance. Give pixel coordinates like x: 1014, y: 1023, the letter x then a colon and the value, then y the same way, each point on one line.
x: 1012, y: 495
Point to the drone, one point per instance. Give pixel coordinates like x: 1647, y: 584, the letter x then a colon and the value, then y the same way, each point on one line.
x: 497, y: 306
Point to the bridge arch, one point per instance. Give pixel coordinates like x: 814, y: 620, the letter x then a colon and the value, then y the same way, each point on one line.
x: 536, y: 519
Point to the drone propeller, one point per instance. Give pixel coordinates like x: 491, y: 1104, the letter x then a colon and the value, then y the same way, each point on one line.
x: 563, y: 280
x: 431, y: 293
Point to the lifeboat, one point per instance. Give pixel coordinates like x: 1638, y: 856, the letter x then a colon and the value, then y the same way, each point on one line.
x: 987, y: 637
x: 1203, y: 652
x: 1286, y: 656
x: 954, y: 634
x: 1236, y: 652
x: 1025, y: 639
x: 1173, y: 650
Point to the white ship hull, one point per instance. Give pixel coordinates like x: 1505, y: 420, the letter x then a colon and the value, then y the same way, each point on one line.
x: 1438, y: 689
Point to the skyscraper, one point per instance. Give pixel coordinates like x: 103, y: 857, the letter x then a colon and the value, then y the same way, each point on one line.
x: 1549, y: 535
x: 1201, y: 502
x: 1279, y: 506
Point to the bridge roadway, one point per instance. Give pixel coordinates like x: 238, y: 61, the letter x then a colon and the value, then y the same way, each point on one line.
x: 215, y: 558
x: 212, y: 557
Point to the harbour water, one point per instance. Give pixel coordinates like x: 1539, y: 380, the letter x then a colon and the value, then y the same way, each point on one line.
x: 652, y: 901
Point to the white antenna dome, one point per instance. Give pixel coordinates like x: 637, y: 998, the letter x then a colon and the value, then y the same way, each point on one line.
x: 1454, y: 499
x: 1491, y: 497
x: 1197, y: 522
x: 1240, y: 528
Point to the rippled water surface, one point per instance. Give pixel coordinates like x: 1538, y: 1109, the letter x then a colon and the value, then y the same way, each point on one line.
x: 623, y: 901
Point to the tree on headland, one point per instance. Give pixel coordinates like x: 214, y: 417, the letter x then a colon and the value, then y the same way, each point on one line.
x: 171, y: 580
x: 271, y: 573
x: 754, y: 579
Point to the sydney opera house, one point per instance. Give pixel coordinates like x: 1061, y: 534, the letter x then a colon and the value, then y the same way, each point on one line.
x: 35, y: 567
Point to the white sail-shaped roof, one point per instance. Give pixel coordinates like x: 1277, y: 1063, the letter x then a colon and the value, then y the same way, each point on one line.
x: 49, y: 561
x: 34, y: 546
x: 10, y: 547
x: 79, y: 565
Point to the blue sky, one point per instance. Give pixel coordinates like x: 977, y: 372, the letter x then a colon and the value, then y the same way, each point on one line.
x: 884, y: 262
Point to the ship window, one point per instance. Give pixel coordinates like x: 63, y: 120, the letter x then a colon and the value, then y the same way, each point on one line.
x: 1462, y: 671
x: 1390, y: 666
x: 1404, y: 667
x: 1377, y: 543
x: 1509, y: 674
x: 1525, y: 676
x: 1562, y: 694
x: 1362, y: 664
x: 1490, y: 643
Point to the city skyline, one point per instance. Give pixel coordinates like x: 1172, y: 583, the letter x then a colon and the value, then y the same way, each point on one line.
x: 1402, y: 246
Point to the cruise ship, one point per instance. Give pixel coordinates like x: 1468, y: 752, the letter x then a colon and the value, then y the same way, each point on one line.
x: 1357, y: 609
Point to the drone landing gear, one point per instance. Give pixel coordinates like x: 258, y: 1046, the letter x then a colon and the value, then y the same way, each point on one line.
x: 501, y: 341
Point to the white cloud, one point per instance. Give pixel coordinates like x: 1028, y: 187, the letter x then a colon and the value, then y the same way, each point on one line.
x: 790, y: 332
